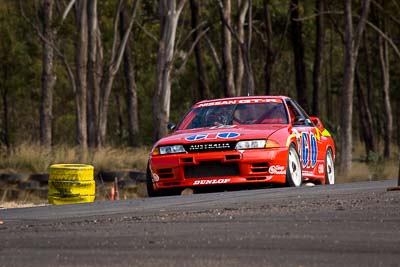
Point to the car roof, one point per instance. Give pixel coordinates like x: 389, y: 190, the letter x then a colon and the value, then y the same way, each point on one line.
x: 234, y: 100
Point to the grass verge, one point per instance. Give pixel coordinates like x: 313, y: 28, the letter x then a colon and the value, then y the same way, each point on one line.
x: 30, y: 158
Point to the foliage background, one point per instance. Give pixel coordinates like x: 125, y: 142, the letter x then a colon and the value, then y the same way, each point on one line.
x: 20, y: 70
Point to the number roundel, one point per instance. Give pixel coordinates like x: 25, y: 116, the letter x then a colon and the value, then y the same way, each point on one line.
x: 309, y: 149
x: 305, y: 149
x: 314, y: 150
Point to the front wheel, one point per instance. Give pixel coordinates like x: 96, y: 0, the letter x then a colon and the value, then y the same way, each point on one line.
x: 293, y: 170
x: 329, y: 168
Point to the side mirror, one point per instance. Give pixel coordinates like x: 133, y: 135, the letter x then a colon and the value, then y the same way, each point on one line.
x: 302, y: 121
x: 317, y: 122
x: 299, y: 120
x: 171, y: 126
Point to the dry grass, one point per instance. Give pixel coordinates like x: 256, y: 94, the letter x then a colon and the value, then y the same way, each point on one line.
x: 28, y: 158
x: 373, y: 171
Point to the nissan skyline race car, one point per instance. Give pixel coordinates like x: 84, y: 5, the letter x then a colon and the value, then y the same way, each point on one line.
x: 242, y: 140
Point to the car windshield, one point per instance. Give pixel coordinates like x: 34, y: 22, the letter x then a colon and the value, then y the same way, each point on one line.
x: 236, y: 114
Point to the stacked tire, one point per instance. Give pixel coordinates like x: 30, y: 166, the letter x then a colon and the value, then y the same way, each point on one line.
x: 71, y: 183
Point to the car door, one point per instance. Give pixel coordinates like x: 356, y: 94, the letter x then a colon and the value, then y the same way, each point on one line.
x: 308, y: 138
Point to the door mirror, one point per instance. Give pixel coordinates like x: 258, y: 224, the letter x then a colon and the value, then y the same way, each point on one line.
x: 302, y: 121
x: 299, y: 120
x: 317, y: 122
x: 171, y: 126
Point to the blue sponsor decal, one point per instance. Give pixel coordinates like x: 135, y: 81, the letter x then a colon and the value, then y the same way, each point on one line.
x: 309, y: 149
x: 314, y: 150
x: 227, y: 135
x: 304, y: 148
x: 196, y: 137
x: 212, y: 136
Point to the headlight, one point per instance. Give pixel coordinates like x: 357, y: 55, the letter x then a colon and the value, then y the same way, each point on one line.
x: 171, y: 149
x: 250, y: 144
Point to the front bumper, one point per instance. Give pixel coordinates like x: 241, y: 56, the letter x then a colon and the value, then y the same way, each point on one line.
x: 218, y: 168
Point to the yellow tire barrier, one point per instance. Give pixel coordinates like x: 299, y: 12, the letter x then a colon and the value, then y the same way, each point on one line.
x: 71, y: 172
x: 56, y: 200
x: 71, y: 183
x: 86, y: 188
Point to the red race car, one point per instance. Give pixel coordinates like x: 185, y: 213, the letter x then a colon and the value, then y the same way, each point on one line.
x: 242, y: 140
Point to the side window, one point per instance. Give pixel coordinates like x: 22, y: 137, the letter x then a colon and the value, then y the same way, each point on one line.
x: 293, y: 111
x: 297, y: 115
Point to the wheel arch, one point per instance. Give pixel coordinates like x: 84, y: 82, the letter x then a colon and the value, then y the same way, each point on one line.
x: 332, y: 149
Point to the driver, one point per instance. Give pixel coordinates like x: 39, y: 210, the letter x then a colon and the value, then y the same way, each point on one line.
x: 216, y: 116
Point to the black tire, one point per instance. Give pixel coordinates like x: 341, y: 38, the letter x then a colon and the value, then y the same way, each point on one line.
x: 329, y: 168
x: 294, y: 174
x: 127, y: 184
x: 137, y: 176
x: 29, y: 185
x: 43, y: 178
x: 109, y: 176
x: 12, y: 178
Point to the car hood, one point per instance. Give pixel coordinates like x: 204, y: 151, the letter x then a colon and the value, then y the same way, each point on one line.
x: 221, y: 134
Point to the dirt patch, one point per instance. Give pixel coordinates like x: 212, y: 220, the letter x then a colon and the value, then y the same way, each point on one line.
x: 17, y: 204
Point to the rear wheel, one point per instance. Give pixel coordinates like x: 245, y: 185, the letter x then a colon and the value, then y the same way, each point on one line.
x: 329, y: 168
x: 293, y: 169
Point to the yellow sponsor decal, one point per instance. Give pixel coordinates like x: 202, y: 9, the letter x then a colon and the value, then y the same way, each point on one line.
x: 296, y: 135
x: 288, y: 141
x: 325, y: 133
x: 317, y: 133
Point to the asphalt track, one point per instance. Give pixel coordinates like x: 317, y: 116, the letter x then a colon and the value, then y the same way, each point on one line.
x: 355, y: 224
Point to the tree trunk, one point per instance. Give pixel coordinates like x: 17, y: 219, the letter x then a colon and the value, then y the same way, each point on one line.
x: 346, y: 98
x: 369, y: 76
x: 130, y: 83
x: 48, y: 77
x: 227, y: 62
x: 4, y: 96
x: 169, y: 12
x: 248, y: 71
x: 119, y: 115
x: 398, y: 138
x: 351, y: 43
x: 319, y: 56
x: 269, y: 53
x: 247, y: 62
x: 398, y: 174
x: 387, y: 109
x: 111, y: 70
x: 242, y: 44
x: 365, y: 118
x: 203, y: 88
x: 81, y: 73
x: 243, y: 6
x: 94, y: 72
x: 298, y: 50
x: 328, y: 77
x: 398, y: 124
x: 217, y: 63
